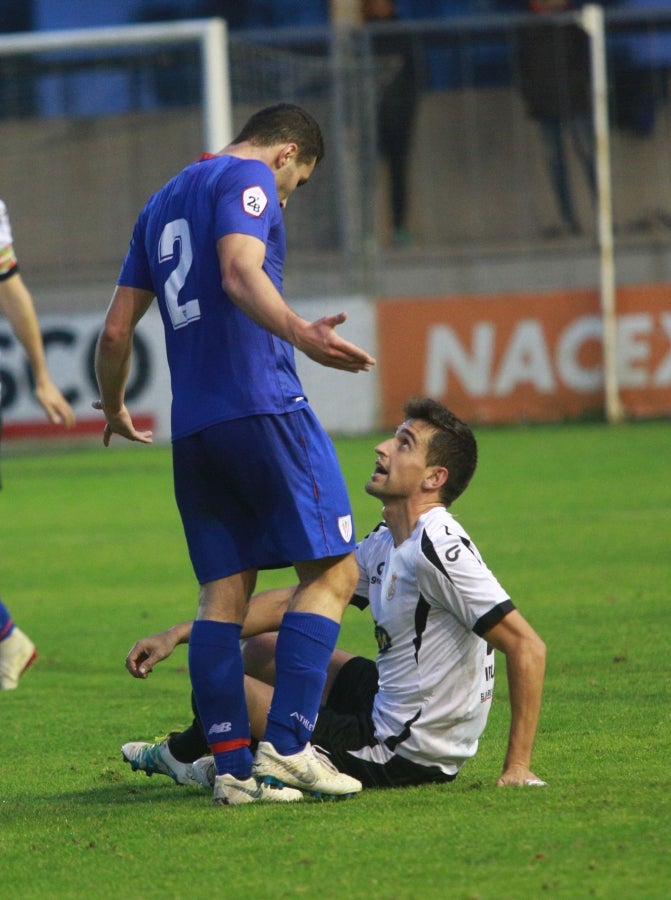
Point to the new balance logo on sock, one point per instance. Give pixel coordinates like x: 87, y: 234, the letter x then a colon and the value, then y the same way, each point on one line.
x: 220, y: 728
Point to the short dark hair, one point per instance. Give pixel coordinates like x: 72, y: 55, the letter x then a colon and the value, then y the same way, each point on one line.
x: 452, y: 444
x: 285, y: 123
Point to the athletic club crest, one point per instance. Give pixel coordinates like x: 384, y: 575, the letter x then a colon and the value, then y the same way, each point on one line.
x: 345, y: 527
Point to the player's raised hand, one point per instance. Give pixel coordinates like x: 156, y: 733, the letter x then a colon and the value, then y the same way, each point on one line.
x: 320, y: 341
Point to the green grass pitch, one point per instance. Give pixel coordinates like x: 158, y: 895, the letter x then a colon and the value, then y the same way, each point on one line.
x: 575, y: 520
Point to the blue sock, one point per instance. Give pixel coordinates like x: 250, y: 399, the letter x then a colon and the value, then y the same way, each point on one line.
x: 217, y: 678
x: 305, y: 643
x: 6, y: 624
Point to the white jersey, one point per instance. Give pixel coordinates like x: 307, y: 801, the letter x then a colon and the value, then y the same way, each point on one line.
x: 7, y: 258
x: 430, y: 599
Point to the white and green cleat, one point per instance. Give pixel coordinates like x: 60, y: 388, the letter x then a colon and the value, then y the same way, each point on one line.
x: 231, y: 791
x: 310, y: 771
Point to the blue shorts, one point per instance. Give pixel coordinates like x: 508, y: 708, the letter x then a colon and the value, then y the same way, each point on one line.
x: 261, y: 493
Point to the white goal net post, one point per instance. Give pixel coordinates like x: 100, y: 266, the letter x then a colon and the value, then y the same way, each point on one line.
x: 592, y: 19
x: 210, y: 35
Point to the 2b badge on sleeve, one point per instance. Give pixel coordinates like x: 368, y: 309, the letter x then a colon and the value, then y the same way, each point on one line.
x: 254, y: 201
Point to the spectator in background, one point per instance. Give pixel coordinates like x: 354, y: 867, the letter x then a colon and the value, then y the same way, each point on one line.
x: 641, y: 65
x: 554, y: 77
x: 396, y: 109
x: 280, y: 13
x: 175, y: 74
x: 17, y: 651
x: 235, y: 12
x: 176, y: 77
x: 17, y: 77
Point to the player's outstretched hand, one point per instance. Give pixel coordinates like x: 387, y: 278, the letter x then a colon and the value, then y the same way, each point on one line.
x: 321, y: 343
x: 519, y: 776
x: 122, y: 424
x: 145, y: 653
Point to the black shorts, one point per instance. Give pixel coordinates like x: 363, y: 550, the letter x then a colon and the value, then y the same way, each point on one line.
x: 345, y: 723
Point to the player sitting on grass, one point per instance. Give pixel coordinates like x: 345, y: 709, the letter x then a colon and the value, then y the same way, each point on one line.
x: 416, y: 714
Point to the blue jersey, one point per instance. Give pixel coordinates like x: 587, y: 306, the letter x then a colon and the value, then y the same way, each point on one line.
x: 222, y: 365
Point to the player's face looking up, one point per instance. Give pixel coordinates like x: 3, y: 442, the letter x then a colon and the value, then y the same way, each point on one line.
x: 401, y: 468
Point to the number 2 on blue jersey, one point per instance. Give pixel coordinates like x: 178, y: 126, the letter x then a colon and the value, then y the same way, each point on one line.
x: 176, y: 234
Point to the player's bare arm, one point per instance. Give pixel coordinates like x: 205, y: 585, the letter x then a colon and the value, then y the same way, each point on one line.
x: 525, y: 655
x: 264, y: 615
x: 17, y: 304
x: 244, y: 280
x: 145, y: 653
x: 113, y: 358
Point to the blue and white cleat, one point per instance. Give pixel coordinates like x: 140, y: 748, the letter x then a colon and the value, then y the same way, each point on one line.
x: 156, y: 759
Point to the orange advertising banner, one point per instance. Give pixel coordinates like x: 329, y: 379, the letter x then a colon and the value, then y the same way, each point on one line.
x: 524, y: 357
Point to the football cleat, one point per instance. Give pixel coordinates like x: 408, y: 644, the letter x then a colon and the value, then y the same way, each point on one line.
x: 17, y: 653
x: 310, y: 771
x: 156, y: 759
x: 230, y: 791
x: 204, y: 771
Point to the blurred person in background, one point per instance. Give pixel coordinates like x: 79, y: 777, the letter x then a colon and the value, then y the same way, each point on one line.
x: 396, y: 108
x: 17, y: 651
x: 553, y: 60
x: 641, y: 63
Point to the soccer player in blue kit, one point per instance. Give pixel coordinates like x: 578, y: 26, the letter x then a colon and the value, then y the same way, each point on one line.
x: 256, y: 478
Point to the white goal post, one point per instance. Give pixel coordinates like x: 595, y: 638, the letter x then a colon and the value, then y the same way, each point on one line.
x: 592, y: 20
x: 210, y: 34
